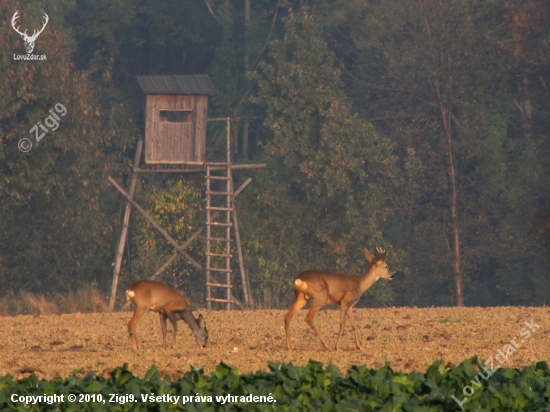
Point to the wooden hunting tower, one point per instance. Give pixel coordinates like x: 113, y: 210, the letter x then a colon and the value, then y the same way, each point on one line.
x: 175, y: 142
x: 175, y: 118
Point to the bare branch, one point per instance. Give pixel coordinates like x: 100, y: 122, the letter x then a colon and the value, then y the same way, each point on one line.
x: 211, y: 11
x: 253, y: 67
x: 255, y: 64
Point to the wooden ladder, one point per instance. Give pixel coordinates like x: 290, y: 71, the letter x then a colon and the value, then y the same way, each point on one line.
x: 219, y: 201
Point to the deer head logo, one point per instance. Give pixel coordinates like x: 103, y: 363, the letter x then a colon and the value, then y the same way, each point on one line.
x: 29, y: 40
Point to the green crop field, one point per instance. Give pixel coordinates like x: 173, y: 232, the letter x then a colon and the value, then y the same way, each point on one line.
x: 470, y: 386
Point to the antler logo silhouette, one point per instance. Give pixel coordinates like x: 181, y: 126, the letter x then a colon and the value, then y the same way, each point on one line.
x: 29, y: 40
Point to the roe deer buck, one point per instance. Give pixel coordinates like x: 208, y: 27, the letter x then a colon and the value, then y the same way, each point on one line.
x: 170, y: 304
x: 345, y: 290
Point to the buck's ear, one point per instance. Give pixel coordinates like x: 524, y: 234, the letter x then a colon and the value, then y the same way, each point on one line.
x: 201, y: 322
x: 369, y: 256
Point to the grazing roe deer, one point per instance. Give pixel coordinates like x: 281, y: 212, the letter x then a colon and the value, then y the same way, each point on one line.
x: 170, y: 304
x: 345, y: 290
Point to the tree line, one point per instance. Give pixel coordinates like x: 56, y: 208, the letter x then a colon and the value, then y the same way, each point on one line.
x: 421, y: 127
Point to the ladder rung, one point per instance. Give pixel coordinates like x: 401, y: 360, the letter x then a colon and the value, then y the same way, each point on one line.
x: 219, y: 208
x: 219, y: 224
x: 220, y: 270
x: 219, y: 285
x: 218, y: 177
x: 219, y: 239
x: 220, y: 300
x: 211, y: 192
x: 219, y: 254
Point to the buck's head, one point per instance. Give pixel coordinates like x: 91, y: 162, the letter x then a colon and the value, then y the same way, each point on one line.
x: 378, y: 263
x: 29, y: 40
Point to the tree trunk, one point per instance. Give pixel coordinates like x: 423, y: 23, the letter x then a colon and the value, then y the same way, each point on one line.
x: 245, y: 139
x: 441, y: 59
x: 246, y: 68
x: 246, y: 34
x: 455, y: 226
x: 235, y: 126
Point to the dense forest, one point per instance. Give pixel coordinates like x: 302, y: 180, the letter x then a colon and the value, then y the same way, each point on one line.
x: 421, y: 126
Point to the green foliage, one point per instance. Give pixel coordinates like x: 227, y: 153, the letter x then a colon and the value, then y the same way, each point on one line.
x: 329, y: 168
x: 295, y: 388
x: 407, y: 66
x: 350, y: 97
x: 127, y: 38
x: 178, y: 206
x: 225, y: 67
x: 240, y: 45
x: 55, y: 197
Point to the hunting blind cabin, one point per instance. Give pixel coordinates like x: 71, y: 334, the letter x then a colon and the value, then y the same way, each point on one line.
x: 175, y: 141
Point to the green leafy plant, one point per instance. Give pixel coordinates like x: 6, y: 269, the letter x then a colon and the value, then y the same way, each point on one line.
x: 291, y: 388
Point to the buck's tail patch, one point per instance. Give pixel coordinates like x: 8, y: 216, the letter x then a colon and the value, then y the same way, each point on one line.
x: 129, y: 294
x: 300, y: 285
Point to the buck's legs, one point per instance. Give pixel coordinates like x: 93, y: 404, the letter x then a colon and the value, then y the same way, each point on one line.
x: 315, y: 306
x: 163, y: 328
x: 354, y: 327
x: 346, y: 311
x: 343, y: 312
x: 173, y: 316
x: 299, y: 304
x: 132, y: 325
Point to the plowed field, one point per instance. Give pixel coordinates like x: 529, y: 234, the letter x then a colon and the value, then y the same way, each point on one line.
x: 410, y: 338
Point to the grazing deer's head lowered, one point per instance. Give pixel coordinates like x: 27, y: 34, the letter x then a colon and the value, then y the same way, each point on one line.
x: 29, y: 40
x: 170, y: 304
x: 345, y: 290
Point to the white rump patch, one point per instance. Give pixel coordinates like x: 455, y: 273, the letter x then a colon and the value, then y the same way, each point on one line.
x: 129, y: 294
